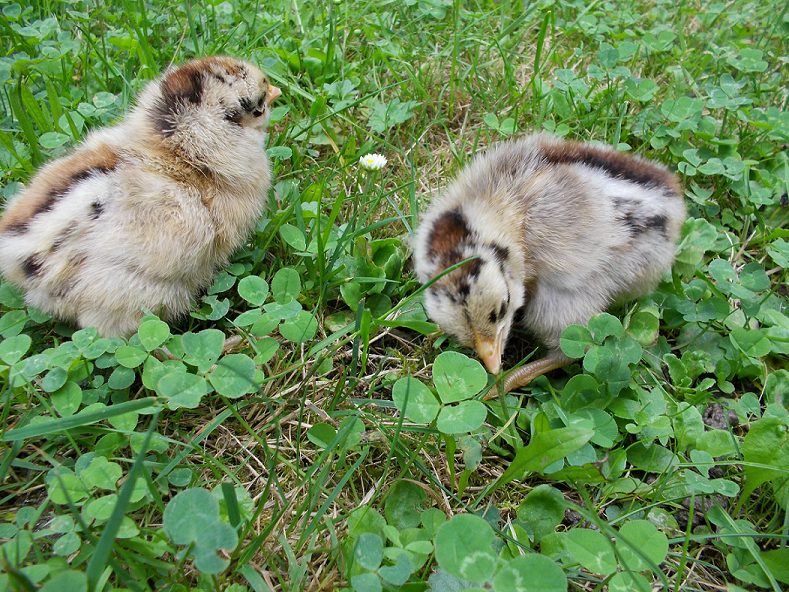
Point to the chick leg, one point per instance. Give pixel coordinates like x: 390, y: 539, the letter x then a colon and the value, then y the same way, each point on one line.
x: 525, y: 374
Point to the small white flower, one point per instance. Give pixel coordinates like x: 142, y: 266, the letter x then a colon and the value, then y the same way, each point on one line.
x: 373, y: 162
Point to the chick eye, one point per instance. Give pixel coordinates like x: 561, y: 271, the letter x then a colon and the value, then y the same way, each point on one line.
x: 260, y: 102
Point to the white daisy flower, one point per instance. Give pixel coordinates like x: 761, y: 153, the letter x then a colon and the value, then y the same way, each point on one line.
x: 373, y: 162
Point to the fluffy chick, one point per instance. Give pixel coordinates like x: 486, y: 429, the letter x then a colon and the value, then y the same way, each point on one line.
x: 144, y: 212
x: 559, y: 231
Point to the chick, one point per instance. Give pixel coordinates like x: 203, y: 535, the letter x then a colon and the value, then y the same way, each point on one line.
x: 558, y: 231
x: 143, y: 213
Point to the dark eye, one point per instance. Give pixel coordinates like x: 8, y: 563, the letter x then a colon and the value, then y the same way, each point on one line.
x: 260, y: 102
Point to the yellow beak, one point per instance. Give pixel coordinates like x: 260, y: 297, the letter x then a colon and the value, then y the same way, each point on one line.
x: 489, y: 351
x: 272, y: 93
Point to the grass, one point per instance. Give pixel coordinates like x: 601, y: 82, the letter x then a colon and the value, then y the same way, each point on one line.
x: 658, y: 462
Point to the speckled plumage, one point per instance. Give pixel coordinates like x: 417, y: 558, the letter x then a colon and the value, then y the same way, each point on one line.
x: 144, y: 212
x: 560, y: 229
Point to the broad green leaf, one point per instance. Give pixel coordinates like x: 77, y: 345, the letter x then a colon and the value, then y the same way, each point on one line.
x: 579, y: 392
x: 101, y: 474
x: 604, y: 325
x: 765, y: 450
x: 397, y: 574
x: 458, y: 377
x: 530, y: 573
x: 463, y: 548
x: 278, y: 311
x: 253, y: 289
x: 101, y: 508
x: 592, y: 550
x: 234, y: 376
x: 293, y: 236
x: 365, y: 519
x: 67, y: 399
x: 204, y: 347
x: 54, y: 379
x: 321, y: 434
x: 643, y: 327
x: 629, y: 582
x: 182, y: 389
x: 67, y: 544
x: 129, y: 356
x: 286, y: 285
x: 575, y: 340
x: 13, y: 348
x: 641, y: 535
x: 366, y: 582
x: 462, y: 418
x: 368, y: 551
x: 121, y: 378
x: 403, y: 505
x: 67, y: 581
x: 776, y: 389
x: 544, y: 449
x: 543, y: 510
x: 280, y: 152
x: 752, y: 343
x: 51, y: 140
x: 153, y: 333
x: 753, y: 277
x: 299, y: 328
x: 66, y: 487
x: 413, y: 398
x: 266, y: 348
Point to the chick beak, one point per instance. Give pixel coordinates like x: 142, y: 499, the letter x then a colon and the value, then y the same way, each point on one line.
x: 272, y: 93
x: 490, y: 351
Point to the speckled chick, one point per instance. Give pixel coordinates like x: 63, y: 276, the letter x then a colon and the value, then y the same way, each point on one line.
x: 143, y: 213
x: 560, y: 230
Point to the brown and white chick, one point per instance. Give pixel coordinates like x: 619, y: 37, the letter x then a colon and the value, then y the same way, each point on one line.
x: 560, y: 230
x: 143, y: 213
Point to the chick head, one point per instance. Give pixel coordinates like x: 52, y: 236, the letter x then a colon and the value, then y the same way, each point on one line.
x: 477, y: 302
x: 217, y: 88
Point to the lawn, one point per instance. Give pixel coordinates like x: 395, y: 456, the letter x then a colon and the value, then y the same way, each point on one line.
x: 658, y: 461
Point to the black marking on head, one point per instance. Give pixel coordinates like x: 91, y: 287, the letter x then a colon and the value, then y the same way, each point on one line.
x: 32, y: 265
x: 245, y: 103
x: 496, y: 316
x: 520, y: 314
x: 260, y: 106
x: 502, y: 253
x: 449, y: 231
x: 96, y: 208
x: 180, y: 88
x: 462, y: 293
x: 234, y: 116
x: 473, y: 268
